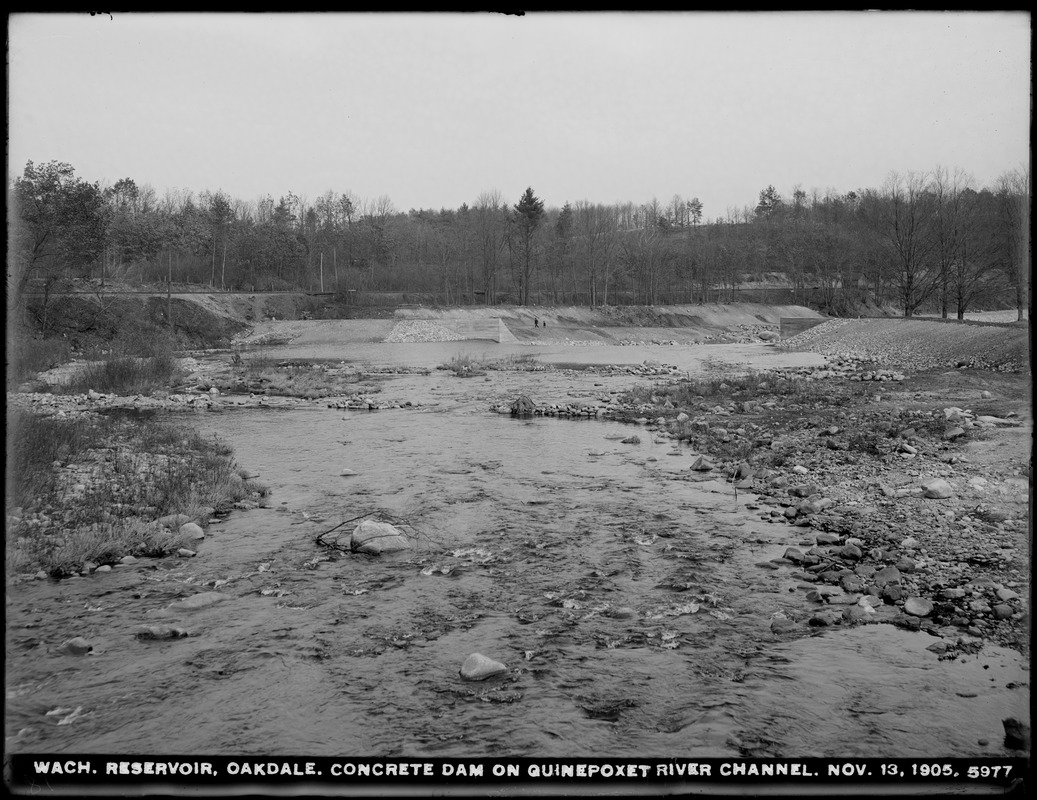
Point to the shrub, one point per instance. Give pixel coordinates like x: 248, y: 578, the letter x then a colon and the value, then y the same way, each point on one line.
x: 126, y: 375
x: 463, y: 365
x: 27, y: 356
x: 90, y: 488
x: 35, y: 443
x: 526, y: 362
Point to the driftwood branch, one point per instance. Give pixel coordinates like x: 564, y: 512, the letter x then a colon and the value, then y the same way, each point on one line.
x: 323, y: 540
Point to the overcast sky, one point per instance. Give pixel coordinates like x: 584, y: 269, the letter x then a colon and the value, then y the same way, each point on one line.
x: 432, y: 110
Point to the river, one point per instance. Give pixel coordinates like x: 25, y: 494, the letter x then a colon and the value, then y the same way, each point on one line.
x: 630, y: 602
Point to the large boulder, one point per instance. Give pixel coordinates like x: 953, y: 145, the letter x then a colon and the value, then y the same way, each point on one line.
x: 376, y: 538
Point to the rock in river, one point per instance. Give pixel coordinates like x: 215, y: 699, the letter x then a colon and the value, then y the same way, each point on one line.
x: 478, y: 667
x: 161, y: 632
x: 375, y: 538
x: 77, y: 646
x: 1017, y: 734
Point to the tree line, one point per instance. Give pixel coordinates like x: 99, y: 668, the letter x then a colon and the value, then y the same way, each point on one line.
x: 928, y: 240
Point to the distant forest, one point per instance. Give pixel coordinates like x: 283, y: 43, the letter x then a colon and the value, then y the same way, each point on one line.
x: 924, y: 241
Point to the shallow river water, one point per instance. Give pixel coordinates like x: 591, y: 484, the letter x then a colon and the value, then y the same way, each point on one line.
x: 630, y: 603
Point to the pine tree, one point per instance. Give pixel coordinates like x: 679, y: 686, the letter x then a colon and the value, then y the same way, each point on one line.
x: 528, y: 214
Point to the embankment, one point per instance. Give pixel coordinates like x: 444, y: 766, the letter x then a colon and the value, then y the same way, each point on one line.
x: 623, y: 324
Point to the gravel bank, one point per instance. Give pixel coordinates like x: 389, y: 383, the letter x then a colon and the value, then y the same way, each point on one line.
x: 919, y: 345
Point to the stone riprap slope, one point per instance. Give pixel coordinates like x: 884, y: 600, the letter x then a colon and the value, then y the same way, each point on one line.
x: 422, y: 330
x: 918, y: 344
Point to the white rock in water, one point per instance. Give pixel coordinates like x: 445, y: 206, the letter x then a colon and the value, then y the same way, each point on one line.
x: 478, y: 667
x: 378, y: 537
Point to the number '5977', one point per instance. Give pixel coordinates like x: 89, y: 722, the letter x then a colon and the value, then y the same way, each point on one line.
x: 989, y: 772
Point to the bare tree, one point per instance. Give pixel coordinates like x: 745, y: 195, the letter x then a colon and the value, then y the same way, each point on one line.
x: 491, y: 235
x: 907, y: 223
x: 1014, y: 192
x: 606, y: 225
x: 954, y: 205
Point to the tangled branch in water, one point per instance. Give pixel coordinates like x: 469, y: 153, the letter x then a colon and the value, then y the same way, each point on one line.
x: 333, y: 543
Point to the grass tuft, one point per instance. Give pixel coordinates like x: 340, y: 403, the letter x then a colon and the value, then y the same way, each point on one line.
x: 125, y: 375
x: 464, y: 365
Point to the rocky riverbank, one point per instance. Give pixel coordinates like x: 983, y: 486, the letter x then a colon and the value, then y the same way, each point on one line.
x: 899, y: 504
